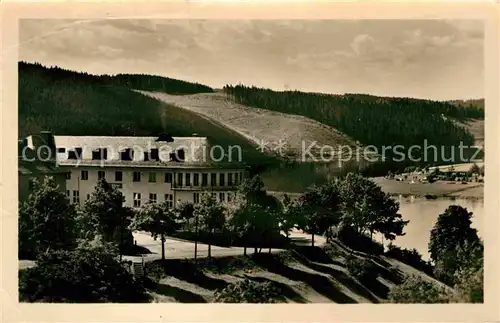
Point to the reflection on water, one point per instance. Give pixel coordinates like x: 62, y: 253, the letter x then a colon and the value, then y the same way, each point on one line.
x: 423, y: 214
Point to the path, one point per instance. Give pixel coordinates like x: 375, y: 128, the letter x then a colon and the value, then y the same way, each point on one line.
x: 182, y: 249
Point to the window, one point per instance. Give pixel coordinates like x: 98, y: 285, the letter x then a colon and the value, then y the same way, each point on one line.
x: 213, y: 179
x: 101, y: 175
x: 214, y: 195
x: 68, y: 175
x: 179, y: 179
x: 229, y: 197
x: 61, y: 150
x: 204, y: 179
x: 127, y: 154
x: 169, y: 199
x: 152, y: 177
x: 196, y: 179
x: 67, y: 192
x: 85, y: 175
x: 168, y: 177
x: 137, y: 199
x: 230, y: 179
x: 76, y: 197
x: 196, y: 198
x: 88, y: 196
x: 221, y: 179
x: 222, y: 197
x: 188, y: 179
x: 75, y: 154
x: 236, y: 182
x: 154, y: 155
x: 100, y: 154
x: 118, y: 176
x: 137, y: 177
x: 152, y: 197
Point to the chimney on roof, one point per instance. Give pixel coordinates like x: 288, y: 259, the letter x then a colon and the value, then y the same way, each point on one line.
x: 49, y: 141
x: 165, y: 137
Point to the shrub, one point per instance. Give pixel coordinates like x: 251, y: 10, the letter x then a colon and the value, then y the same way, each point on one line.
x: 249, y: 291
x: 416, y: 290
x: 154, y: 271
x: 359, y: 242
x: 84, y: 275
x: 361, y: 269
x: 410, y: 257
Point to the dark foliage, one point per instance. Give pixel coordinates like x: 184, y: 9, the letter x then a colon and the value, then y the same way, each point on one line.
x: 378, y: 121
x: 71, y: 103
x: 83, y: 276
x: 359, y: 242
x: 361, y: 269
x: 410, y: 257
x: 249, y: 291
x: 46, y: 221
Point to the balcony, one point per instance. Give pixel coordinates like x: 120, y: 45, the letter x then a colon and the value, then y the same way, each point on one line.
x: 178, y: 187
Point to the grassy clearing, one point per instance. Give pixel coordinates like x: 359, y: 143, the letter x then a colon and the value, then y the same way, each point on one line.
x: 259, y: 125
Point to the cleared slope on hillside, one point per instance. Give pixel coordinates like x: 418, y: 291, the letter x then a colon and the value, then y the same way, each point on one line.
x: 295, y: 132
x: 71, y: 103
x: 476, y: 128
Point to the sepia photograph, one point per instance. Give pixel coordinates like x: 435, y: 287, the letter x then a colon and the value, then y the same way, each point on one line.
x: 251, y: 161
x: 247, y: 162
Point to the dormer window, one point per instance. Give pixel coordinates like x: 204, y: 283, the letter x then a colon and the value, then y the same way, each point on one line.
x: 152, y: 155
x: 127, y: 154
x: 177, y: 156
x: 100, y: 154
x: 75, y: 154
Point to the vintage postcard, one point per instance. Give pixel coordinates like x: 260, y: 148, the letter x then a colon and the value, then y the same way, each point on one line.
x: 259, y: 161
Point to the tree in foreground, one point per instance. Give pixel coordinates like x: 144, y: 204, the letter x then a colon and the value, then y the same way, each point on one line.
x: 319, y: 207
x: 46, y: 220
x: 289, y: 216
x: 253, y: 214
x: 211, y: 215
x: 417, y: 290
x: 249, y: 291
x: 366, y: 208
x: 158, y: 219
x: 185, y: 212
x: 453, y: 242
x: 104, y: 214
x: 84, y: 275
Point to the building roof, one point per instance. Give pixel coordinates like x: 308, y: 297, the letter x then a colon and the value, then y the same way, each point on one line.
x: 196, y: 151
x: 37, y: 167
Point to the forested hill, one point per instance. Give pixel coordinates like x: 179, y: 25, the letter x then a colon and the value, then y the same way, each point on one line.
x: 372, y: 120
x: 472, y: 103
x: 131, y: 81
x: 71, y: 103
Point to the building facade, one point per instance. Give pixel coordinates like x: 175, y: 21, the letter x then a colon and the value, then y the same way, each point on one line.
x: 157, y: 169
x: 31, y: 167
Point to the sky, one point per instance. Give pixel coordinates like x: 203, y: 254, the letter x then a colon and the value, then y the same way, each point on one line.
x: 432, y: 59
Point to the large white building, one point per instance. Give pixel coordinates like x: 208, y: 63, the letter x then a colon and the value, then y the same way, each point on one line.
x: 163, y: 168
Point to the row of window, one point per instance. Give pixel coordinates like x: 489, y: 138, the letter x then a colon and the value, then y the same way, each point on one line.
x: 125, y: 155
x: 153, y: 198
x: 182, y: 179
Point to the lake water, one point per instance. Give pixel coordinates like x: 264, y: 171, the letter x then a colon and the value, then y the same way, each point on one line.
x: 423, y: 214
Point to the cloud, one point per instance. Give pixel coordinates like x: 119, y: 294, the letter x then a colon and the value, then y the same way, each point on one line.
x: 362, y: 44
x: 316, y: 55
